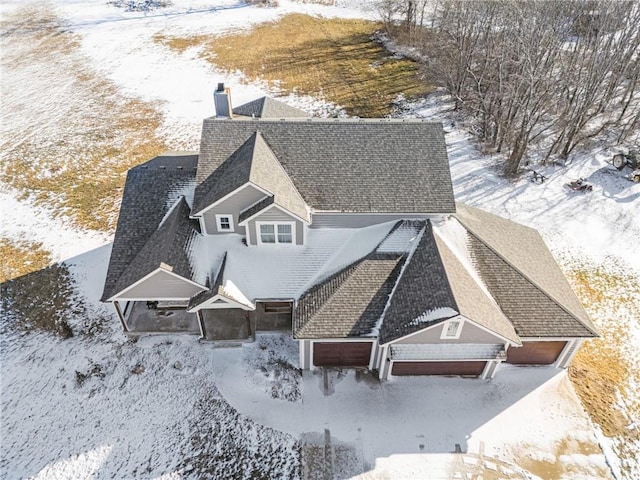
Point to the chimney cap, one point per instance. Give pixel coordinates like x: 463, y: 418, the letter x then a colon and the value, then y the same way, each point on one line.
x: 220, y: 87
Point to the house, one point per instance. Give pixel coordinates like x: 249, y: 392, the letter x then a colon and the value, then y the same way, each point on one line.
x: 344, y: 232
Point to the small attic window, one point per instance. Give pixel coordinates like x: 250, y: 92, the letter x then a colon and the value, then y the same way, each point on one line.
x: 451, y: 329
x: 224, y: 223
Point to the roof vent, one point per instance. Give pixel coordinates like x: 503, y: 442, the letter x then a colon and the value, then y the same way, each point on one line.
x: 222, y: 101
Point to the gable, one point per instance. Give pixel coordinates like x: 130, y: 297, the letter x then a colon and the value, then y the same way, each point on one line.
x: 472, y: 297
x: 253, y: 163
x: 470, y: 333
x: 161, y: 285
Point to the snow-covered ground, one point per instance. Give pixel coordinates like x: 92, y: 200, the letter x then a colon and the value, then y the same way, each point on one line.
x: 106, y: 407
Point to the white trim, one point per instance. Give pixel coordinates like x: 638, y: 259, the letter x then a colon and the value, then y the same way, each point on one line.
x: 244, y: 222
x: 301, y: 352
x: 311, y: 365
x: 384, y: 370
x: 275, y: 232
x: 219, y: 217
x: 565, y: 357
x: 399, y: 214
x: 229, y: 303
x: 229, y: 195
x: 146, y: 277
x: 343, y: 340
x: 203, y: 225
x: 466, y: 320
x: 374, y: 354
x: 552, y: 339
x: 445, y: 328
x: 432, y: 360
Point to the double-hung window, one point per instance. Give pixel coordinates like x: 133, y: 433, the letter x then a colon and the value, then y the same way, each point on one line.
x: 224, y: 222
x: 271, y: 233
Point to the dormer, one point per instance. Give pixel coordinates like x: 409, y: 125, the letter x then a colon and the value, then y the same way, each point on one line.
x: 251, y: 194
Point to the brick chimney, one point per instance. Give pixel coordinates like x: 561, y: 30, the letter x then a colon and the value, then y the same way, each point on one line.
x: 222, y: 101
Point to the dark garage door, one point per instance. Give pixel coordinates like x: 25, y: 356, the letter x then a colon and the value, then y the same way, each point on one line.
x: 343, y: 354
x: 438, y: 368
x: 535, y: 353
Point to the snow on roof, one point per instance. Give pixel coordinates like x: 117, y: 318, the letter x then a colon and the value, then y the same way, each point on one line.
x: 402, y: 238
x: 456, y: 237
x: 281, y: 271
x: 361, y: 242
x: 433, y: 315
x: 232, y: 291
x: 185, y: 188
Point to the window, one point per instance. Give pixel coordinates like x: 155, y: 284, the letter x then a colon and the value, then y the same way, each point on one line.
x: 451, y: 329
x: 284, y: 234
x: 277, y: 307
x: 276, y: 233
x: 224, y: 223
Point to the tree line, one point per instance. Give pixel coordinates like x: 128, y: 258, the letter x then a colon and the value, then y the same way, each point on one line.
x: 554, y: 74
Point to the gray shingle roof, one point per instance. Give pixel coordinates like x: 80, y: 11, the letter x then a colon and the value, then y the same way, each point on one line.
x: 531, y: 311
x: 151, y: 189
x: 252, y: 162
x: 350, y: 302
x: 344, y: 164
x: 258, y: 207
x: 523, y: 277
x: 214, y: 283
x: 168, y: 245
x: 474, y: 302
x: 422, y: 287
x: 267, y: 107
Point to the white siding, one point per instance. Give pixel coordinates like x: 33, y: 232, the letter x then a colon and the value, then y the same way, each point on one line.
x: 162, y: 285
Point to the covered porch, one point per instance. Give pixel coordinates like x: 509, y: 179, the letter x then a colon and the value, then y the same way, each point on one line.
x: 164, y: 318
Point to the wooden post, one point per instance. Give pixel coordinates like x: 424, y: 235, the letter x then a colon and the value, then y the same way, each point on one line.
x: 116, y: 304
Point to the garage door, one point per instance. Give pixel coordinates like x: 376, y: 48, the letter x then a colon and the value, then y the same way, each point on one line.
x: 535, y: 353
x: 343, y: 354
x: 438, y: 368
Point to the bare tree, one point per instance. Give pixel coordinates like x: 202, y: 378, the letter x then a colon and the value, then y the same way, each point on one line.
x: 557, y: 73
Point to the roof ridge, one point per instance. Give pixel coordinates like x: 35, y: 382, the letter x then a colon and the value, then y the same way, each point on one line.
x: 476, y: 277
x: 325, y: 120
x: 169, y: 224
x: 407, y: 261
x: 344, y: 271
x: 544, y: 291
x: 260, y: 138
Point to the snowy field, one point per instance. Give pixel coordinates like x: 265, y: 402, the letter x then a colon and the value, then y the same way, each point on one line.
x: 99, y: 405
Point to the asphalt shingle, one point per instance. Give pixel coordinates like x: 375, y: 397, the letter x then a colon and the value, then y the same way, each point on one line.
x: 349, y: 303
x: 266, y: 107
x: 345, y: 165
x: 146, y: 200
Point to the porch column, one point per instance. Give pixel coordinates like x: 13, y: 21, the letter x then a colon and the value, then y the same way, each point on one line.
x: 203, y: 331
x: 385, y: 364
x: 116, y: 305
x: 569, y: 352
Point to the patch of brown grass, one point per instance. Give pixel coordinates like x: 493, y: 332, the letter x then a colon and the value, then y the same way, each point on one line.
x: 21, y: 258
x: 604, y: 370
x: 78, y: 141
x: 334, y: 59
